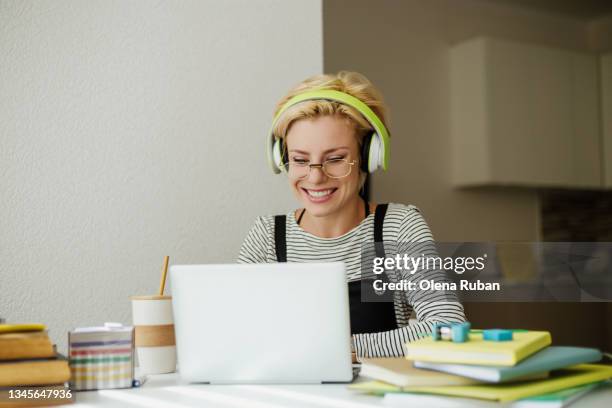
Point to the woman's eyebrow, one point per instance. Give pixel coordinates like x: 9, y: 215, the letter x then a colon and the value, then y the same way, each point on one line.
x: 325, y: 152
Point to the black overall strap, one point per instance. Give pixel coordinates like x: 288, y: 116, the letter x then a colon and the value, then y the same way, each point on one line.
x: 280, y: 241
x: 370, y: 311
x: 300, y: 217
x: 379, y: 220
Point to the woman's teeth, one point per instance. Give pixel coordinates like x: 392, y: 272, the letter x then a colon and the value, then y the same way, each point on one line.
x: 320, y: 193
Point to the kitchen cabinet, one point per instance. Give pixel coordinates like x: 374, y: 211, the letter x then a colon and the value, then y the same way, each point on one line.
x: 606, y: 115
x: 524, y: 115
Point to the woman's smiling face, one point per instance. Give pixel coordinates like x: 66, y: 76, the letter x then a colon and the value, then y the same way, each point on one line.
x: 317, y: 140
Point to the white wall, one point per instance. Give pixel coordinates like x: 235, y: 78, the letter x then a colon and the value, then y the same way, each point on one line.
x: 134, y: 130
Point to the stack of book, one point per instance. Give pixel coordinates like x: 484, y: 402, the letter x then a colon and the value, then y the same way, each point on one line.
x: 31, y: 371
x: 525, y: 370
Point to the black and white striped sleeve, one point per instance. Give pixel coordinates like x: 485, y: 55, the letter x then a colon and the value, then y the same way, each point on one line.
x: 257, y: 244
x: 430, y: 306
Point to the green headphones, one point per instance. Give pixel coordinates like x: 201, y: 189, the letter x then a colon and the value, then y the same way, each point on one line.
x: 375, y: 147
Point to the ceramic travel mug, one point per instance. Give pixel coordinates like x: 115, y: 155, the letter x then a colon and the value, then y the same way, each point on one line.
x: 154, y: 334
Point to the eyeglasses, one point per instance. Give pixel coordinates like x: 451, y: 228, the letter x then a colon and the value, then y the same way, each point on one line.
x: 333, y: 168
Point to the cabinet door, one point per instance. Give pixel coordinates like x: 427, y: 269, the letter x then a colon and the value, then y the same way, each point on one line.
x: 530, y: 114
x: 586, y: 142
x: 540, y: 110
x: 606, y: 113
x: 510, y: 113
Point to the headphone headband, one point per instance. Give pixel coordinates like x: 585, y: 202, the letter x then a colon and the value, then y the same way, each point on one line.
x: 337, y: 96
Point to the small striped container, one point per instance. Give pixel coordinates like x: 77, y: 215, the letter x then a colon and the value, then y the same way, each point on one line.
x: 101, y: 357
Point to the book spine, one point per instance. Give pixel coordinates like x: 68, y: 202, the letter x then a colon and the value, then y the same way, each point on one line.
x: 34, y: 373
x: 25, y: 350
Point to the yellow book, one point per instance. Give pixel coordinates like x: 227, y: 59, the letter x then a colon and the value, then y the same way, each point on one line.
x: 398, y: 371
x: 21, y: 327
x: 558, y: 380
x: 478, y: 351
x: 375, y: 387
x: 22, y: 345
x: 34, y: 372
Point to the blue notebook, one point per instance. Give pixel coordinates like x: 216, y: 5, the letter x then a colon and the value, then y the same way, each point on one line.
x: 550, y: 358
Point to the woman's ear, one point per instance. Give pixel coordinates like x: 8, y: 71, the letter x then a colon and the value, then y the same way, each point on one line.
x: 363, y: 186
x: 363, y: 176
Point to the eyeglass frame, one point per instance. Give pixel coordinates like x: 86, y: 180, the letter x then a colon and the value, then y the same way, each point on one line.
x: 320, y: 166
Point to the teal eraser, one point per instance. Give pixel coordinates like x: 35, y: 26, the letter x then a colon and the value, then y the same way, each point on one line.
x: 497, y: 335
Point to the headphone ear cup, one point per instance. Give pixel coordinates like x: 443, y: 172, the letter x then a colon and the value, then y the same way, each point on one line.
x: 284, y: 154
x: 365, y: 152
x: 278, y: 153
x: 375, y: 157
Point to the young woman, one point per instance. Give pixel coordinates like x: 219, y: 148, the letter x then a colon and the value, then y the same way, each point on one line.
x: 328, y: 132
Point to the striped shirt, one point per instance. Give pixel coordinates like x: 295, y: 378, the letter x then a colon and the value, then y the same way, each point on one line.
x: 402, y: 224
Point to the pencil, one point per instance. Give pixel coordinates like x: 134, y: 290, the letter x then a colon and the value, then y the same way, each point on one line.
x: 162, y: 284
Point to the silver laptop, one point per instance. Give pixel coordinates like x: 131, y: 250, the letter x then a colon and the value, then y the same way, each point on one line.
x: 262, y: 323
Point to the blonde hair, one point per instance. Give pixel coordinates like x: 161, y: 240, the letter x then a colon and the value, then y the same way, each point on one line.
x: 352, y: 83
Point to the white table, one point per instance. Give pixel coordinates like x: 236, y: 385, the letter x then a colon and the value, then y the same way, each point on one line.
x: 167, y: 391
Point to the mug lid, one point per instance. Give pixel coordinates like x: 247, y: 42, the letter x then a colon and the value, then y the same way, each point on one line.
x: 150, y: 297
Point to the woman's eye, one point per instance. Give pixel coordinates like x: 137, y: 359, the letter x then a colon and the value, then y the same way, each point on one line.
x: 299, y: 160
x: 336, y: 158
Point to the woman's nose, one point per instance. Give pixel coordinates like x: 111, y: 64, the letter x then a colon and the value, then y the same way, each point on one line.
x: 316, y: 175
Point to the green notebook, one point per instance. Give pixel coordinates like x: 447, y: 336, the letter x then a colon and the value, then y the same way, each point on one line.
x: 557, y: 399
x: 559, y: 380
